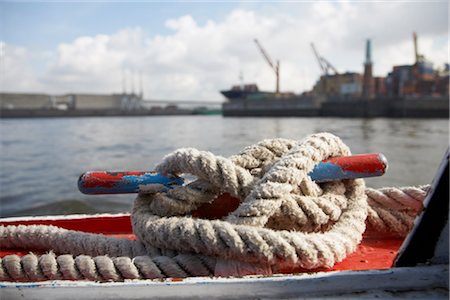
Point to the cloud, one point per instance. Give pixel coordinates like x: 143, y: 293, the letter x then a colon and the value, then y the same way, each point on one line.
x: 15, y: 68
x: 94, y: 64
x: 194, y: 61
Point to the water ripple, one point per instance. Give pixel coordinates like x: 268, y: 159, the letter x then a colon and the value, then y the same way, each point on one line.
x: 41, y: 159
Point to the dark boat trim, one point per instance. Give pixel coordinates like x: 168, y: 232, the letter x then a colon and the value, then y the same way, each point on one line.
x: 431, y: 227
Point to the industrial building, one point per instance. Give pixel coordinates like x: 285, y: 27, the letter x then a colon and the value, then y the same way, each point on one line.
x: 22, y: 101
x: 418, y: 79
x: 125, y: 102
x: 344, y: 86
x: 336, y: 86
x: 18, y: 105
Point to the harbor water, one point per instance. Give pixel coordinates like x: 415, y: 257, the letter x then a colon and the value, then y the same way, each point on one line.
x: 41, y: 159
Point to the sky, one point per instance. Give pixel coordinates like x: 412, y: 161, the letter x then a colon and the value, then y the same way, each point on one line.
x: 192, y: 50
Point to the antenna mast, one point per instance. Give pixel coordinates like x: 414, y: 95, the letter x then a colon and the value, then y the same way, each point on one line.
x: 132, y: 81
x: 141, y: 89
x: 124, y: 81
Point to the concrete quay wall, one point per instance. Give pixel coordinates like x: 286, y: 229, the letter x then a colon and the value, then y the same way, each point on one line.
x: 54, y: 113
x: 376, y: 108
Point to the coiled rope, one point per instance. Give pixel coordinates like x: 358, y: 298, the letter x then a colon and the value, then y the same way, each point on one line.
x: 283, y: 218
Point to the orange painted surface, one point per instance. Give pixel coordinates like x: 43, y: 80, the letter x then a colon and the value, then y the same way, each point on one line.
x: 375, y: 251
x: 108, y: 225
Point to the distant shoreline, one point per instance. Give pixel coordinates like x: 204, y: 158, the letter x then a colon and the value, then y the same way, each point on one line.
x: 376, y: 108
x: 55, y: 113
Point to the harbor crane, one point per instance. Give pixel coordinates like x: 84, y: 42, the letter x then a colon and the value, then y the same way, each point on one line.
x: 324, y: 64
x: 419, y: 57
x: 275, y: 68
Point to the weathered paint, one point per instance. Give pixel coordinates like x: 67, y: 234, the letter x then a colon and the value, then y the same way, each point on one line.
x: 337, y: 168
x: 350, y: 167
x: 99, y: 182
x: 421, y: 282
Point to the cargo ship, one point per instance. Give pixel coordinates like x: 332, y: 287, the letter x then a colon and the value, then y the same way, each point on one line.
x: 248, y: 100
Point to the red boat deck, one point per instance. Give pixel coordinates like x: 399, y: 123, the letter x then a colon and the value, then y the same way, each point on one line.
x: 375, y: 252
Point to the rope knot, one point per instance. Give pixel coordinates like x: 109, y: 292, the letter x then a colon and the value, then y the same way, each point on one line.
x: 280, y: 205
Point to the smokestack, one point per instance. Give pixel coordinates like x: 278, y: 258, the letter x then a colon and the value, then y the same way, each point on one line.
x: 368, y: 82
x: 368, y: 52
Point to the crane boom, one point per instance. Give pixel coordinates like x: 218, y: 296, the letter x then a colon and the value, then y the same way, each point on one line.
x: 265, y: 55
x: 324, y: 64
x: 275, y: 68
x: 319, y: 58
x: 329, y: 66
